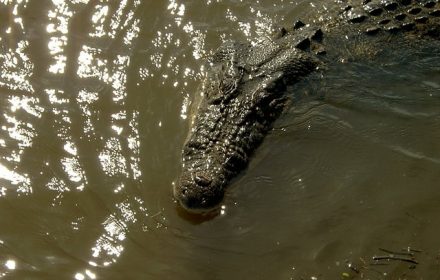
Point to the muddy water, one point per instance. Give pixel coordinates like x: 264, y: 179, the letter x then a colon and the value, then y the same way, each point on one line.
x: 95, y: 102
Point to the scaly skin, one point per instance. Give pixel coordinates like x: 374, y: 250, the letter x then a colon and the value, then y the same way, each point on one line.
x: 244, y: 90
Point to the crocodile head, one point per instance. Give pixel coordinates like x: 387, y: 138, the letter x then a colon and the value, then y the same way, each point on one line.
x: 244, y: 88
x: 243, y: 93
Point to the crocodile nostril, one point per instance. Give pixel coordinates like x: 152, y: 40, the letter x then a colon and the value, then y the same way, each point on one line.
x: 184, y: 192
x: 202, y: 180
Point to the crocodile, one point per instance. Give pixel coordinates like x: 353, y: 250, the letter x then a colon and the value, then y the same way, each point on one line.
x: 244, y: 89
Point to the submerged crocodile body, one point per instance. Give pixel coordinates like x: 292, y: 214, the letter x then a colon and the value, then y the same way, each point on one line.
x: 245, y: 89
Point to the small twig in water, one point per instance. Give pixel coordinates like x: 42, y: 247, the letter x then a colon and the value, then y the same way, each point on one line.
x: 393, y: 257
x: 407, y: 253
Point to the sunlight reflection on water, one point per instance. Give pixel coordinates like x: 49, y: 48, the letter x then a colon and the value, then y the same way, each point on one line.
x: 71, y: 109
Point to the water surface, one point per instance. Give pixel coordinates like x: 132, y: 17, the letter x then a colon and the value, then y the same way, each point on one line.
x: 95, y: 103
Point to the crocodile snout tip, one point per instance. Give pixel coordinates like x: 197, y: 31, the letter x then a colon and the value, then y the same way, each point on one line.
x: 197, y: 192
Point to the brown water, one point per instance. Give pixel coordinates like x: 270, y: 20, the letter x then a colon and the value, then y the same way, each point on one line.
x: 95, y: 99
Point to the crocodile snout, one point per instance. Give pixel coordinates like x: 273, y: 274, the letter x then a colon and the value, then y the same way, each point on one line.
x: 197, y: 192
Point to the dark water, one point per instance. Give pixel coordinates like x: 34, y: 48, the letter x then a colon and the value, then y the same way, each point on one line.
x: 95, y: 100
